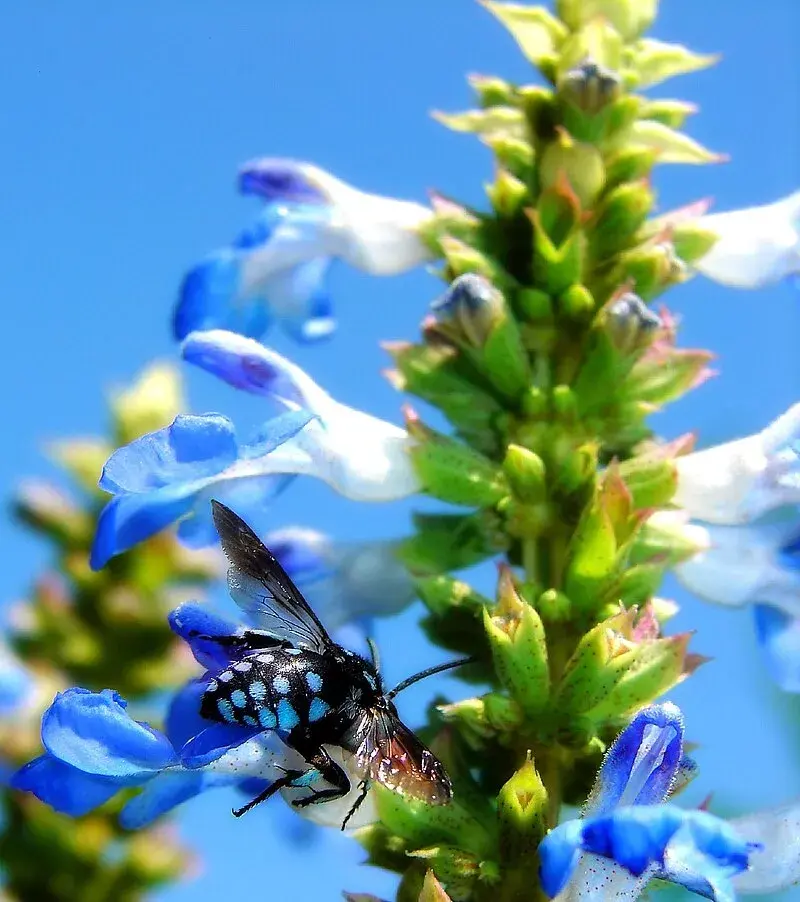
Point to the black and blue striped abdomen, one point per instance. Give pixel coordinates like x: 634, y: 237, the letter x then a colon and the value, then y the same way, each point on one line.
x: 278, y: 689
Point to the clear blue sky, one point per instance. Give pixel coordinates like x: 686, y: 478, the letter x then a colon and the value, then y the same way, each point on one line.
x: 123, y: 127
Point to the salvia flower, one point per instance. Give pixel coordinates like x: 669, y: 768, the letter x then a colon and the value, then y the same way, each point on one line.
x: 94, y: 749
x: 171, y: 474
x: 277, y: 268
x: 344, y: 582
x: 629, y: 833
x: 755, y: 565
x: 755, y: 247
x: 740, y: 480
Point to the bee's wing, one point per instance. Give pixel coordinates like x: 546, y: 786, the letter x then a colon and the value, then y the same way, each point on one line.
x: 388, y: 752
x: 262, y: 588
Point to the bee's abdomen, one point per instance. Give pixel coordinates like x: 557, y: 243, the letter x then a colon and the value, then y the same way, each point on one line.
x: 276, y: 690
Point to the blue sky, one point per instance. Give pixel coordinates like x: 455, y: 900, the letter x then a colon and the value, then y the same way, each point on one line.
x: 124, y: 125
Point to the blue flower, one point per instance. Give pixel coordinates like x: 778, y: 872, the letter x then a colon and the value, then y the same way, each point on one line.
x: 171, y: 474
x: 627, y: 835
x: 755, y: 247
x: 756, y: 565
x: 17, y: 684
x: 344, y: 583
x: 277, y: 268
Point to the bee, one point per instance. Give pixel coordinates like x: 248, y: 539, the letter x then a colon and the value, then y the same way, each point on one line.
x: 291, y: 677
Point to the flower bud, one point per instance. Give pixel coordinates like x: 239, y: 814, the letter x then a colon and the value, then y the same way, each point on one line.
x: 582, y: 165
x: 149, y: 404
x: 631, y: 324
x: 525, y: 472
x: 629, y: 17
x: 590, y: 86
x: 522, y: 813
x: 507, y: 194
x: 492, y: 91
x: 652, y: 269
x: 451, y: 470
x: 470, y: 307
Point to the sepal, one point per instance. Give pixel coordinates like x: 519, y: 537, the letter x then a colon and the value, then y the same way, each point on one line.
x: 522, y: 816
x: 656, y: 61
x: 445, y: 542
x: 581, y: 164
x: 537, y: 32
x: 450, y: 470
x: 432, y: 890
x: 519, y: 648
x: 629, y: 17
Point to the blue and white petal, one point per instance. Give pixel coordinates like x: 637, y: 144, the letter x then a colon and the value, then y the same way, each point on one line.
x: 360, y: 456
x: 737, y: 565
x: 374, y: 233
x: 740, y: 480
x: 776, y: 864
x: 755, y: 247
x: 344, y: 582
x: 640, y: 766
x: 62, y: 787
x: 167, y: 475
x: 778, y: 635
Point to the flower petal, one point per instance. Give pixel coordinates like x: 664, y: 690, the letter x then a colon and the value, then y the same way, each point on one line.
x: 640, y: 766
x: 559, y: 854
x: 281, y: 179
x: 190, y: 448
x: 62, y: 787
x: 213, y: 742
x: 778, y: 635
x: 600, y: 878
x: 166, y: 791
x: 248, y: 365
x: 756, y: 246
x: 738, y: 481
x: 183, y: 721
x: 194, y: 623
x: 92, y: 731
x: 776, y: 864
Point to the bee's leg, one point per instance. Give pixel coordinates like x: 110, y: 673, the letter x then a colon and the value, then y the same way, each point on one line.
x: 321, y: 765
x: 286, y: 780
x: 364, y: 786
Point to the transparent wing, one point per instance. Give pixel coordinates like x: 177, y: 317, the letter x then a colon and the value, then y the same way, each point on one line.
x: 262, y: 588
x: 388, y: 752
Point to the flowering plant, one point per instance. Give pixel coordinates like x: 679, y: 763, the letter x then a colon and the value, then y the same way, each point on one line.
x: 545, y: 353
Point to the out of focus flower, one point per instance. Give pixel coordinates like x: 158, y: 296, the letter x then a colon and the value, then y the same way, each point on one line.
x: 277, y: 268
x: 755, y: 247
x: 343, y: 582
x: 17, y: 685
x: 740, y: 565
x: 172, y: 474
x: 739, y: 481
x: 629, y: 834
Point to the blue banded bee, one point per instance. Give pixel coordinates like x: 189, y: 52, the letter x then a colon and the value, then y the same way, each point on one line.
x: 291, y: 677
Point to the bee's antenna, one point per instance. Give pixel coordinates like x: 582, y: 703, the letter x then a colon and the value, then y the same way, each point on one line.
x: 373, y: 651
x: 409, y: 681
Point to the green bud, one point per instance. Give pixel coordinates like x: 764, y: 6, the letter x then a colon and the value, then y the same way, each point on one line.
x: 673, y: 113
x: 630, y: 324
x: 691, y: 241
x: 519, y: 649
x: 558, y: 242
x: 629, y: 165
x: 565, y: 404
x: 458, y: 870
x: 432, y: 890
x: 538, y: 33
x: 514, y: 154
x: 597, y: 40
x: 463, y: 259
x: 588, y: 676
x: 651, y: 480
x: 658, y: 378
x: 653, y: 668
x: 507, y: 194
x: 456, y: 614
x: 450, y: 542
x: 535, y: 305
x: 591, y: 558
x: 620, y: 215
x: 505, y: 121
x: 503, y: 714
x: 470, y: 717
x: 590, y: 87
x: 534, y: 403
x: 629, y: 17
x: 651, y: 269
x: 522, y: 815
x: 492, y: 91
x: 581, y: 164
x: 576, y: 303
x: 450, y: 470
x: 656, y: 61
x: 672, y: 146
x: 554, y: 606
x: 151, y: 403
x: 526, y: 474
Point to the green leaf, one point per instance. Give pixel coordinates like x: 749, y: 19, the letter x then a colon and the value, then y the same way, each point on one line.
x: 538, y: 33
x: 656, y: 61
